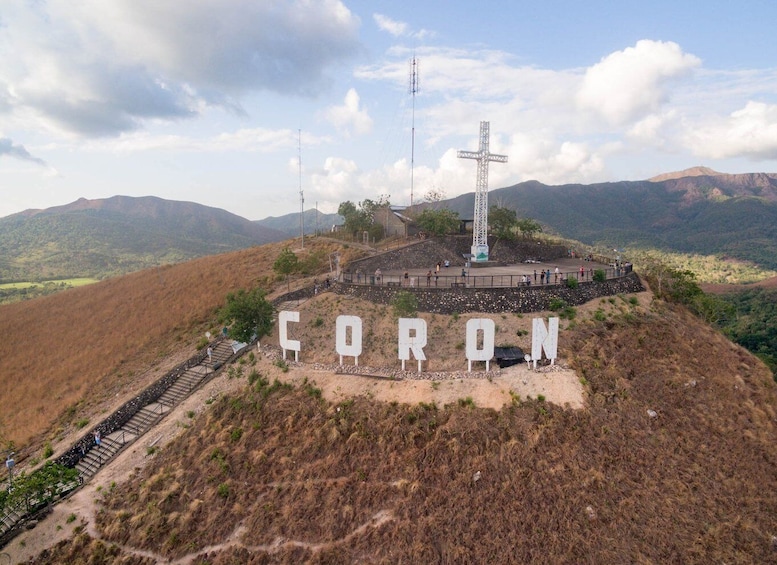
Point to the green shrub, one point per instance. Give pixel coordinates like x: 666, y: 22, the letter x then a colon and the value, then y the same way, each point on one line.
x: 600, y: 275
x: 568, y: 313
x: 405, y: 305
x: 571, y: 282
x: 557, y: 304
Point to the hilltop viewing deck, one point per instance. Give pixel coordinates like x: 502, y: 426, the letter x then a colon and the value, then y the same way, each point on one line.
x: 535, y: 273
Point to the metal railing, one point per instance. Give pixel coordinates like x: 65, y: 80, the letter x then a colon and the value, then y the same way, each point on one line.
x: 468, y: 280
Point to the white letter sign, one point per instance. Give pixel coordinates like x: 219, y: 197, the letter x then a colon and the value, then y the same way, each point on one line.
x: 412, y: 337
x: 341, y: 337
x: 488, y: 328
x: 284, y: 317
x: 544, y: 339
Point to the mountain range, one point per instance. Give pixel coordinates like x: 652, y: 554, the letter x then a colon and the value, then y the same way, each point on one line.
x: 105, y: 237
x: 694, y: 211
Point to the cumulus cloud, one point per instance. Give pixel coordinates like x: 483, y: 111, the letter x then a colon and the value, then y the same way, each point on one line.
x: 100, y: 68
x: 629, y: 84
x: 11, y: 149
x: 349, y: 117
x: 397, y: 28
x: 749, y: 132
x: 393, y: 27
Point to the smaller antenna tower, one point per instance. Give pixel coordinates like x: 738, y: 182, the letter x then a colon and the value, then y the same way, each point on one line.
x: 413, y: 90
x: 301, y: 196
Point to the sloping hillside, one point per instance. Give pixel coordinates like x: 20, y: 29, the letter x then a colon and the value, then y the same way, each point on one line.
x: 63, y: 353
x: 98, y: 238
x: 672, y: 461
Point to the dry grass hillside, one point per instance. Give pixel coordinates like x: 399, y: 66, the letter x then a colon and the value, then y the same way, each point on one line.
x: 671, y: 461
x: 71, y: 356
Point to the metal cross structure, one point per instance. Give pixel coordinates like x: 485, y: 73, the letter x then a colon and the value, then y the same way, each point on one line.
x: 480, y: 228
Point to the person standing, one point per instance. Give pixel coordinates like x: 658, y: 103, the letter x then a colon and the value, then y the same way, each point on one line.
x: 429, y: 278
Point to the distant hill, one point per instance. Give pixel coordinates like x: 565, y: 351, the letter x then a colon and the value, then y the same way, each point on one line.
x: 98, y: 238
x: 704, y: 212
x: 313, y: 222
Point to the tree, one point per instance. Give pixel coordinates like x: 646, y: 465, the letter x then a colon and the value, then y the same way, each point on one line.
x: 250, y: 314
x: 438, y: 222
x: 286, y: 264
x: 41, y: 486
x: 502, y: 222
x: 434, y: 197
x: 529, y: 227
x: 361, y: 218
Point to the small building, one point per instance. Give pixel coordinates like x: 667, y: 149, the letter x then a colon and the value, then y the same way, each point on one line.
x: 395, y: 223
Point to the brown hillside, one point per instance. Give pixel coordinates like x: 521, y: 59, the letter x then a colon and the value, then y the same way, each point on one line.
x: 711, y: 288
x: 74, y: 355
x: 672, y: 461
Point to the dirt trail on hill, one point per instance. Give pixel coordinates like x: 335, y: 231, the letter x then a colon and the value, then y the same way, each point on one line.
x: 557, y: 384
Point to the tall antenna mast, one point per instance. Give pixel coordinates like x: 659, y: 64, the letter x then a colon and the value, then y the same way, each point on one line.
x: 413, y: 89
x: 301, y: 196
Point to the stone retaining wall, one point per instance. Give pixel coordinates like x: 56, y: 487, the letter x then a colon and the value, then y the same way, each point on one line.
x: 425, y: 254
x: 495, y: 300
x: 123, y: 415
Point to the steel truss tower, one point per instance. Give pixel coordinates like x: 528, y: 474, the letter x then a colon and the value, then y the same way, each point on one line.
x: 480, y: 228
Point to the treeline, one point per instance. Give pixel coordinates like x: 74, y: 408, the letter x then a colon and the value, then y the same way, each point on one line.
x: 14, y: 294
x: 753, y: 323
x: 748, y: 318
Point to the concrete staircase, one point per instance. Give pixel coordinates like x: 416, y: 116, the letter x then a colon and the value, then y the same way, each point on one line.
x: 97, y: 456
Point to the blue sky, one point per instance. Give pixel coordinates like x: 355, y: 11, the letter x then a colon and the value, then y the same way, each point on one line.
x: 210, y: 101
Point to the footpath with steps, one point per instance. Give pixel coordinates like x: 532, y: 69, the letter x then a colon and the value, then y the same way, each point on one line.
x: 129, y: 423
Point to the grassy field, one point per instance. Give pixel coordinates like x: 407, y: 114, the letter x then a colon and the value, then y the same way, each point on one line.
x: 62, y: 282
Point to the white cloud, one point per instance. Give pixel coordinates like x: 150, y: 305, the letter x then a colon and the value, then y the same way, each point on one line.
x: 393, y: 27
x: 349, y: 117
x: 628, y: 84
x: 99, y: 68
x: 399, y: 29
x: 749, y: 132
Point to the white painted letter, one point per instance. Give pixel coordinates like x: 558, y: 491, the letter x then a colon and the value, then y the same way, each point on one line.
x: 544, y: 339
x: 488, y: 328
x: 341, y: 339
x: 284, y: 317
x: 415, y: 342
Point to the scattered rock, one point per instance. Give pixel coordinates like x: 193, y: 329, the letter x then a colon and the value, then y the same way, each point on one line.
x: 590, y: 512
x: 652, y: 413
x: 476, y: 477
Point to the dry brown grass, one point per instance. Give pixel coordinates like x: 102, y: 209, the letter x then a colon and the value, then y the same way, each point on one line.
x: 363, y: 481
x: 64, y: 354
x: 276, y: 475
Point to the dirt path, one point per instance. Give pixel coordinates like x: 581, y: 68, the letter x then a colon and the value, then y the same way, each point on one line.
x: 557, y: 384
